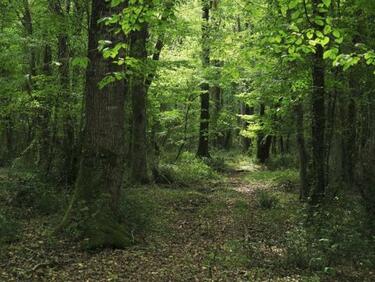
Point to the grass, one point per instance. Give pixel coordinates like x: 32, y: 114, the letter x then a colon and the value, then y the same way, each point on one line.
x: 273, y: 177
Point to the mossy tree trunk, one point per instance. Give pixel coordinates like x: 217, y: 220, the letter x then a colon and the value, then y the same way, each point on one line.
x: 96, y: 202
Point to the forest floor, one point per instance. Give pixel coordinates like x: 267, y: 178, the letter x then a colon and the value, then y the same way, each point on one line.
x: 235, y: 228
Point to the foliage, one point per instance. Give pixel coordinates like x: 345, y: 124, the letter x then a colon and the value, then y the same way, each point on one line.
x: 188, y: 170
x: 31, y: 194
x: 333, y: 236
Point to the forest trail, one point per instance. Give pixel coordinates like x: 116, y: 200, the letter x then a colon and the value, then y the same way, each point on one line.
x: 196, y: 235
x: 237, y: 183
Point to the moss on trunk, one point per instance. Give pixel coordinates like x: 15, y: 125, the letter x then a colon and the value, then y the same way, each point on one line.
x: 94, y: 207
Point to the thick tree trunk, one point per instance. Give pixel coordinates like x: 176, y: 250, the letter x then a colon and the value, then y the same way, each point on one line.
x: 138, y: 90
x: 98, y: 186
x: 203, y: 145
x: 318, y: 122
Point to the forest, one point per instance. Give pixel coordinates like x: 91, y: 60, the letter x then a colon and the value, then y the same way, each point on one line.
x: 187, y: 140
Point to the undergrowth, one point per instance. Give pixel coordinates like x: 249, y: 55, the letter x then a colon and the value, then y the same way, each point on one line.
x: 188, y: 170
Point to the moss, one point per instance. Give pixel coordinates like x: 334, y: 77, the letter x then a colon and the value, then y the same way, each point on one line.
x: 94, y: 207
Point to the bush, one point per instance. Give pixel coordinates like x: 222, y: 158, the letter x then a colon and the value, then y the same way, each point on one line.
x: 188, y: 170
x: 326, y: 238
x: 286, y: 161
x: 266, y: 200
x: 33, y: 194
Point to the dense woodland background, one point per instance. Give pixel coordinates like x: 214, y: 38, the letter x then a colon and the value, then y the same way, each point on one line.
x: 221, y: 140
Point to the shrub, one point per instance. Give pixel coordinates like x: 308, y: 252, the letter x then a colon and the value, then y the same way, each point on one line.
x: 188, y: 170
x: 29, y: 192
x: 286, y: 161
x: 326, y: 238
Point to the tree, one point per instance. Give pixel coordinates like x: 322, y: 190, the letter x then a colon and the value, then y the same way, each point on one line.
x: 100, y: 178
x: 61, y: 10
x: 318, y: 115
x: 203, y: 145
x: 138, y: 90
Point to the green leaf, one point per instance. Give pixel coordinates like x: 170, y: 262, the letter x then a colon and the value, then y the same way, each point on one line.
x: 293, y: 4
x: 331, y: 54
x: 336, y: 33
x: 325, y: 41
x: 327, y: 29
x: 327, y: 3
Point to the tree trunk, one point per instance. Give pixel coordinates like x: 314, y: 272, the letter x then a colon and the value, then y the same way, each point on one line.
x: 138, y: 90
x: 28, y: 25
x: 61, y: 10
x: 350, y: 129
x: 203, y: 145
x: 263, y: 142
x: 69, y: 168
x: 318, y: 120
x: 44, y: 140
x: 246, y: 110
x: 216, y: 96
x: 98, y: 186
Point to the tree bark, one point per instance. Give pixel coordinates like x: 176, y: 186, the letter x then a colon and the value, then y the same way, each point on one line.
x: 98, y: 187
x: 263, y: 142
x: 216, y: 94
x: 318, y: 120
x: 28, y: 25
x: 61, y: 10
x: 138, y: 90
x: 44, y: 140
x: 203, y: 145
